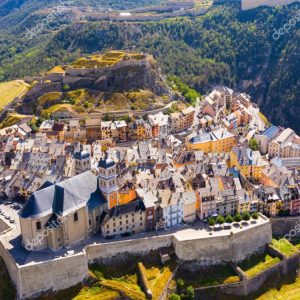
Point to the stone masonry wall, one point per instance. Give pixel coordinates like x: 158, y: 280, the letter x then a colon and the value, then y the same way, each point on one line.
x: 137, y: 246
x: 249, y: 4
x: 52, y: 275
x: 35, y: 278
x: 283, y: 225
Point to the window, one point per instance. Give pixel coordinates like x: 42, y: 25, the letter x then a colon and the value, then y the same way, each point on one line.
x: 90, y: 222
x: 76, y: 217
x: 141, y: 218
x: 120, y: 222
x: 114, y: 230
x: 38, y: 226
x: 97, y: 218
x: 107, y: 231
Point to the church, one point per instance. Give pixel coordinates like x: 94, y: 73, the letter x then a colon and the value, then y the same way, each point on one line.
x: 62, y: 214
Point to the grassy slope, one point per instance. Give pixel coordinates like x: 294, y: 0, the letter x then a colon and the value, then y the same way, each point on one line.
x: 287, y: 292
x: 257, y: 264
x: 284, y: 246
x: 10, y: 90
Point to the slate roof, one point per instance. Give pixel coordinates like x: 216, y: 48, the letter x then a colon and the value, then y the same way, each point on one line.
x: 106, y: 163
x: 65, y: 197
x: 128, y: 208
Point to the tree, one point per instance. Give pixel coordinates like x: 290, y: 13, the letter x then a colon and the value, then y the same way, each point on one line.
x: 190, y: 293
x: 237, y: 217
x: 66, y: 88
x: 220, y: 220
x: 180, y: 285
x: 211, y: 222
x: 228, y: 219
x: 175, y: 297
x: 253, y: 144
x: 255, y: 216
x: 86, y: 104
x: 246, y: 216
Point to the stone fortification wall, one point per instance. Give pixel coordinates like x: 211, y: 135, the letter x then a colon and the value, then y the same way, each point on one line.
x: 52, y: 275
x: 226, y: 247
x: 249, y: 4
x: 252, y: 285
x: 138, y: 246
x: 56, y: 274
x: 283, y: 225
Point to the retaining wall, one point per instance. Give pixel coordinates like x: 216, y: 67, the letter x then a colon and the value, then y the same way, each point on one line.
x: 218, y: 249
x: 136, y: 246
x: 252, y: 285
x: 52, y: 275
x: 283, y: 225
x: 250, y: 4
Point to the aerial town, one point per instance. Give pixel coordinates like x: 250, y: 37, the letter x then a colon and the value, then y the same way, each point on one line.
x: 221, y: 157
x: 70, y: 187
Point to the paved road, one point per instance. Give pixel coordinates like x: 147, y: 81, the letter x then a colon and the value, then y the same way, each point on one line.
x: 256, y: 119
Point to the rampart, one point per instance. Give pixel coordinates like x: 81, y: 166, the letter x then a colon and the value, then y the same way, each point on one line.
x: 32, y: 279
x: 253, y: 284
x: 250, y: 4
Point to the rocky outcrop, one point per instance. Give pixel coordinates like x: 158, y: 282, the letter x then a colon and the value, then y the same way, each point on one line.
x: 125, y: 76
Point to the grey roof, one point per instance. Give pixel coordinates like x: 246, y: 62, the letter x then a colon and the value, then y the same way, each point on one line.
x: 82, y: 155
x: 65, y: 197
x: 106, y: 163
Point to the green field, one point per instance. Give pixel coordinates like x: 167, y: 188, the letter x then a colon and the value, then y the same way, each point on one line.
x: 287, y: 292
x: 258, y: 263
x: 284, y: 246
x: 10, y: 90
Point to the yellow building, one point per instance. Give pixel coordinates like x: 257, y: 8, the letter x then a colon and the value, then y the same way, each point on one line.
x: 218, y: 141
x: 140, y: 130
x: 248, y: 162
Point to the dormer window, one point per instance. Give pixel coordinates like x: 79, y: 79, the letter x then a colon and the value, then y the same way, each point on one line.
x: 38, y: 225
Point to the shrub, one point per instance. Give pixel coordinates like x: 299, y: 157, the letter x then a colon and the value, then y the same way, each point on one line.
x: 175, y: 297
x: 229, y: 219
x: 246, y: 216
x: 190, y: 293
x: 211, y: 221
x: 180, y: 285
x: 66, y: 87
x: 255, y: 215
x: 220, y: 220
x: 237, y: 217
x: 253, y: 144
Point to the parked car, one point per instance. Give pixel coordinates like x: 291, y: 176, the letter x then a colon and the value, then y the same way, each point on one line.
x: 12, y: 221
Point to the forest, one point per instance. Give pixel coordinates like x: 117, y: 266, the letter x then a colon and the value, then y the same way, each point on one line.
x: 225, y: 46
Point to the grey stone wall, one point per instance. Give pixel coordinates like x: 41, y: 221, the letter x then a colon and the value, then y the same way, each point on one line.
x: 283, y: 225
x: 253, y: 284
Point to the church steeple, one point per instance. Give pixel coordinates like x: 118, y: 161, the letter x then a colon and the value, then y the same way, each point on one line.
x: 107, y: 177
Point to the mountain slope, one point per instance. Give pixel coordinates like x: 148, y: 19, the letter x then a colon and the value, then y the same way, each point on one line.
x: 225, y: 46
